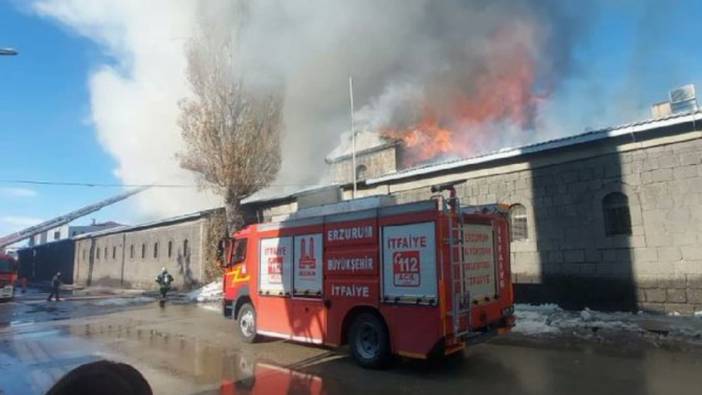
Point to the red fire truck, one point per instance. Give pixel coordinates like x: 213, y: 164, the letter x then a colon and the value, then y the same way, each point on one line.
x: 8, y: 277
x: 414, y: 280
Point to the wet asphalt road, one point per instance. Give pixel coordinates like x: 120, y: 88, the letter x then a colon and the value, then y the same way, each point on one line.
x: 186, y: 349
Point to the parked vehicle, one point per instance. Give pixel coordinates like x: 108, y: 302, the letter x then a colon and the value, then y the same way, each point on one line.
x: 8, y: 277
x: 414, y: 280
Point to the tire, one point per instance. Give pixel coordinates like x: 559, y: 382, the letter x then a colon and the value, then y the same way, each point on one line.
x: 246, y: 323
x: 369, y: 341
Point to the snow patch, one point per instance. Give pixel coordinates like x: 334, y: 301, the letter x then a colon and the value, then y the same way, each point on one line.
x: 123, y: 301
x: 211, y: 306
x: 211, y: 292
x: 536, y: 320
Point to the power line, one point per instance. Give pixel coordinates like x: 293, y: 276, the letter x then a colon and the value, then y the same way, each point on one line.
x: 113, y: 185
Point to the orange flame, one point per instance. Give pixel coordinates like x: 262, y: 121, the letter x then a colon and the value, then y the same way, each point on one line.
x: 504, y: 92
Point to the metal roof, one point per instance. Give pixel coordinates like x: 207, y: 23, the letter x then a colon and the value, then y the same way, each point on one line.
x: 146, y: 225
x: 266, y: 195
x: 611, y: 132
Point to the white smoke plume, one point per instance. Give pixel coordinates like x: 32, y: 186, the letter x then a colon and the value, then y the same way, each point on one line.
x: 399, y: 52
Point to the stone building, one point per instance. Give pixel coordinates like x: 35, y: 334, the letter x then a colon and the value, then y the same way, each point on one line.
x: 609, y: 219
x: 375, y: 156
x: 132, y: 256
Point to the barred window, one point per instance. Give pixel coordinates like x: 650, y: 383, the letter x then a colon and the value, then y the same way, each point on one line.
x: 617, y: 219
x: 518, y: 222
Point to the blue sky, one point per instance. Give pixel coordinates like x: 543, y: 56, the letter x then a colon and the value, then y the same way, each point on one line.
x: 45, y: 133
x: 630, y: 55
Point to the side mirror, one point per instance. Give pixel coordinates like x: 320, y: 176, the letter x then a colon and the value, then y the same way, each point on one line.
x: 222, y: 252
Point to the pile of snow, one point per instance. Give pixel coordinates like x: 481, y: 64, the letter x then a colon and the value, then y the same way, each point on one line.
x: 123, y: 301
x: 550, y: 319
x: 210, y: 293
x: 533, y: 320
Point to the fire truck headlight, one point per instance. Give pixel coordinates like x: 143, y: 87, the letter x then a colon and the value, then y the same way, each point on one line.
x: 508, y: 311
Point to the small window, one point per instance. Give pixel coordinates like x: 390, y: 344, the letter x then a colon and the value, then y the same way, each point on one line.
x: 57, y: 235
x: 114, y: 252
x: 617, y: 219
x: 170, y: 248
x: 105, y: 253
x: 156, y: 250
x: 143, y: 251
x: 131, y: 251
x: 361, y: 172
x: 185, y: 247
x: 98, y: 254
x: 518, y: 222
x: 74, y: 233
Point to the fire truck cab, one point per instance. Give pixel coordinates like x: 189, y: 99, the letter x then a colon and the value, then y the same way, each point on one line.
x: 8, y: 277
x: 414, y: 280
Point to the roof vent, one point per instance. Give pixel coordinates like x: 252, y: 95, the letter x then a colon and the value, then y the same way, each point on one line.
x: 683, y: 99
x: 680, y: 100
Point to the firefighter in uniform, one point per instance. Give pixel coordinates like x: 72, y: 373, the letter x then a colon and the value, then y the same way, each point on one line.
x: 164, y: 280
x: 55, y: 285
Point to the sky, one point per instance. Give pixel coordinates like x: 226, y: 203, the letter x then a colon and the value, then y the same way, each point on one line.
x: 630, y: 54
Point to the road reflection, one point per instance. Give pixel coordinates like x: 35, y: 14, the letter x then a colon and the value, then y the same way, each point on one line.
x: 270, y: 379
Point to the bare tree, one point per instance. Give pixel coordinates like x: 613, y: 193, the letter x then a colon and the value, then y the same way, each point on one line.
x: 231, y: 131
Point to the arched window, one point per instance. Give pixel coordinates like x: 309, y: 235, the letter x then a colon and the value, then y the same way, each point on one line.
x: 617, y: 220
x: 361, y: 172
x: 185, y: 247
x: 170, y: 248
x: 131, y: 251
x: 518, y: 222
x: 105, y: 253
x: 143, y: 251
x: 156, y: 250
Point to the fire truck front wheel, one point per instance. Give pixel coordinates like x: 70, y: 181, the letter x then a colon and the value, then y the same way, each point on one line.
x: 246, y: 323
x: 368, y: 340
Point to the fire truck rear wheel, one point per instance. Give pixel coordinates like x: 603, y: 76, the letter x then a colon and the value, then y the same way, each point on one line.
x: 368, y: 340
x: 246, y: 323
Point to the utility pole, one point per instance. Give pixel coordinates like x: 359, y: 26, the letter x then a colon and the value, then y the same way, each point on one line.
x: 353, y: 141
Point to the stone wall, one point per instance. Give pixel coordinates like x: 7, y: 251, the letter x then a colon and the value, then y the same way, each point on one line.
x: 377, y: 162
x: 125, y: 266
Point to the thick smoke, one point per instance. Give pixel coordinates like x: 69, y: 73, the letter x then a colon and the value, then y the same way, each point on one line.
x: 403, y: 55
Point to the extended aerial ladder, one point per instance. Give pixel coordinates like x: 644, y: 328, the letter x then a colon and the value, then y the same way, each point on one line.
x: 64, y: 219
